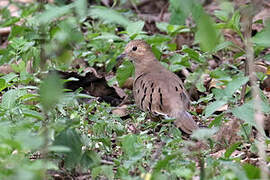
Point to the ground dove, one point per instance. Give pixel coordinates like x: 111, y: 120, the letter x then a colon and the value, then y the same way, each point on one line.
x: 156, y: 89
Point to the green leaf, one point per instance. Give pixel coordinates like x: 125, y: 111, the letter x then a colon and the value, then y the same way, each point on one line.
x: 103, y: 170
x: 245, y: 113
x: 262, y: 38
x: 11, y: 21
x: 124, y: 72
x: 223, y: 45
x: 252, y: 171
x: 108, y: 36
x: 71, y: 139
x: 207, y: 34
x: 162, y: 164
x: 81, y: 8
x: 10, y: 97
x: 231, y: 149
x: 130, y: 145
x: 227, y: 8
x: 177, y: 14
x: 59, y: 149
x: 31, y: 113
x: 90, y: 159
x: 3, y: 84
x: 179, y: 11
x: 204, y: 133
x: 135, y: 28
x: 211, y: 108
x: 217, y: 121
x: 108, y: 15
x: 51, y: 91
x: 53, y: 12
x: 9, y: 77
x: 193, y: 54
x: 235, y: 85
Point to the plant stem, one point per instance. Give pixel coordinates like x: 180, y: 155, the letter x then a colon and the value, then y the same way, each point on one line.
x: 248, y: 14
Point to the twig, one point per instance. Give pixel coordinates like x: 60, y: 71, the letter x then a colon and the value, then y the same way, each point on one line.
x: 244, y: 87
x: 202, y: 169
x: 161, y: 15
x: 106, y: 162
x: 135, y: 7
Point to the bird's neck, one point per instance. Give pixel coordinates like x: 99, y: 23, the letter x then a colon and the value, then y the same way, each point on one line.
x: 147, y: 66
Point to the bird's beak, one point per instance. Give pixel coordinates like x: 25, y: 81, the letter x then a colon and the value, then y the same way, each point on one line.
x: 120, y: 57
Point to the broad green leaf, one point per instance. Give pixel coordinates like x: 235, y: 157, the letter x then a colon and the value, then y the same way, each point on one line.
x: 10, y: 97
x: 192, y: 54
x: 235, y: 85
x: 81, y: 8
x: 162, y: 164
x: 52, y: 13
x: 231, y: 149
x: 262, y: 38
x: 103, y: 170
x: 11, y: 21
x: 204, y: 133
x: 29, y: 140
x: 90, y: 159
x: 3, y: 84
x: 211, y: 108
x: 129, y: 143
x: 252, y: 171
x: 223, y: 45
x: 51, y: 91
x: 71, y: 139
x: 178, y: 16
x: 124, y: 72
x: 207, y: 34
x: 135, y: 27
x: 221, y: 75
x: 108, y: 15
x: 227, y: 8
x: 245, y: 113
x: 9, y: 77
x: 31, y: 113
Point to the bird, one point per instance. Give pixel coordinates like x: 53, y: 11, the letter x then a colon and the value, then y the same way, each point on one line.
x: 156, y: 89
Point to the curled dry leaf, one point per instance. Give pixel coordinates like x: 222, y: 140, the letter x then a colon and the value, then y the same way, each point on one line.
x: 121, y: 111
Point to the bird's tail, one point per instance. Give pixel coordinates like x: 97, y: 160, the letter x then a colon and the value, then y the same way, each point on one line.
x: 185, y: 122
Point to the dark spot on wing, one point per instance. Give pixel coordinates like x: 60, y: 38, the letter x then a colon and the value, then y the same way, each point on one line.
x: 144, y: 95
x: 160, y: 96
x: 140, y: 76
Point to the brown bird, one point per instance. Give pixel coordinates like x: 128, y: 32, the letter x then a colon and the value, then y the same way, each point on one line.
x: 156, y: 89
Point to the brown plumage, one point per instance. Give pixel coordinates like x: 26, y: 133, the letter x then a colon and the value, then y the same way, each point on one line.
x: 156, y: 89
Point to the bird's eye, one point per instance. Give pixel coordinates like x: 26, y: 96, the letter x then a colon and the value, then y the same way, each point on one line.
x: 134, y: 48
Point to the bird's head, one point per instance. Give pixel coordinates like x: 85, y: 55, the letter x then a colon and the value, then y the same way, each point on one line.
x: 138, y: 51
